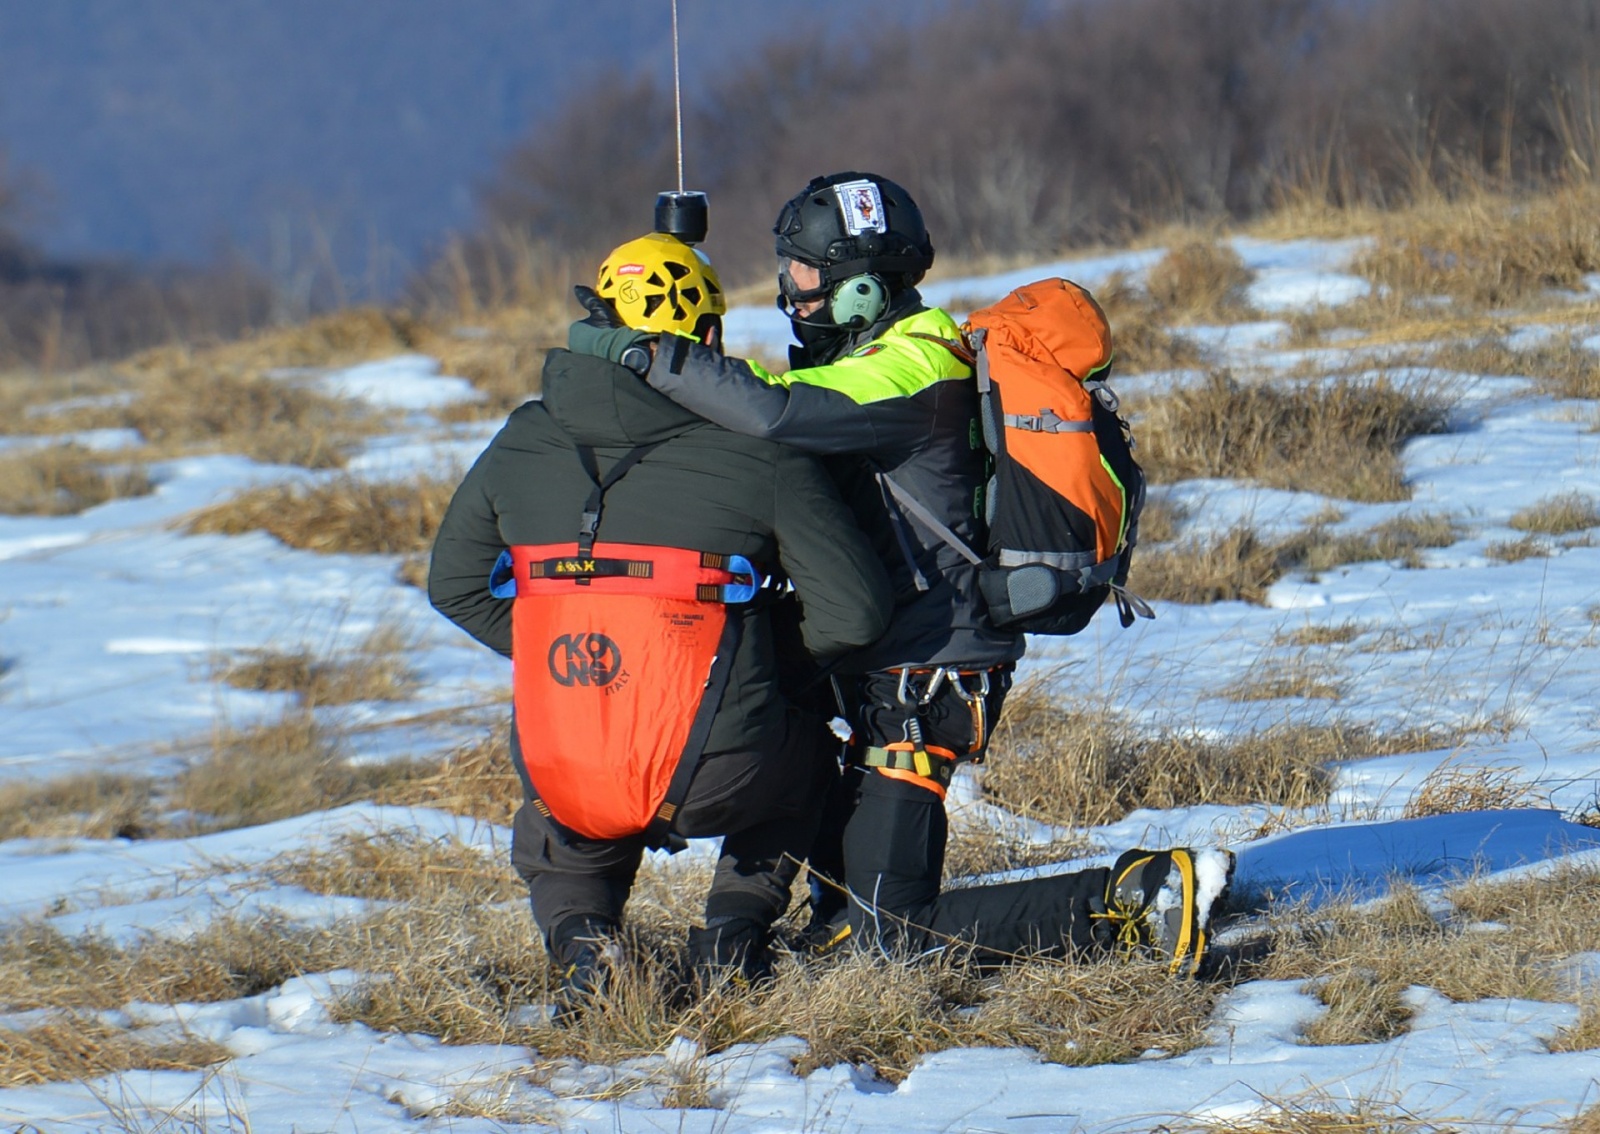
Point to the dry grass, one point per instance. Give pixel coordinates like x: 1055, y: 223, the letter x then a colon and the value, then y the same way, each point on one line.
x: 399, y: 866
x: 1200, y: 281
x: 275, y: 770
x: 1359, y: 959
x: 1518, y: 550
x: 63, y: 480
x: 75, y: 1046
x: 1339, y: 437
x: 1583, y: 1035
x: 28, y: 397
x: 92, y: 805
x: 1560, y: 364
x: 501, y: 353
x: 979, y: 848
x: 1320, y: 1112
x: 342, y: 515
x: 1332, y: 634
x: 1287, y: 677
x: 1161, y: 520
x: 1400, y: 540
x: 375, y: 671
x: 476, y: 780
x: 1078, y: 767
x: 1453, y: 787
x: 1559, y: 515
x: 1240, y: 566
x: 1488, y: 249
x: 238, y: 397
x: 1139, y: 331
x: 230, y: 958
x: 1237, y: 566
x: 413, y: 570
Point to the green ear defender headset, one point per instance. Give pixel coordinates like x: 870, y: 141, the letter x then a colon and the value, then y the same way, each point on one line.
x: 858, y: 302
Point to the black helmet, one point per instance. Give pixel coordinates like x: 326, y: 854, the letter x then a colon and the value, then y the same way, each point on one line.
x: 849, y: 224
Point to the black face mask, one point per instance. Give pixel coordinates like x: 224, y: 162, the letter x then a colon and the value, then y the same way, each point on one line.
x: 821, y: 341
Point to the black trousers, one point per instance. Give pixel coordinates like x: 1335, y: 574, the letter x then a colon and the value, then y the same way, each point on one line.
x: 885, y: 837
x: 766, y: 805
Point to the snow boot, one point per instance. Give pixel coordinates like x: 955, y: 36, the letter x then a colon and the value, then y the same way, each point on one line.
x: 732, y: 951
x: 1160, y: 902
x: 585, y: 951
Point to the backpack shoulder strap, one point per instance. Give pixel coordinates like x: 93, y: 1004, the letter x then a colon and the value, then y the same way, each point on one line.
x: 924, y: 514
x: 591, y: 509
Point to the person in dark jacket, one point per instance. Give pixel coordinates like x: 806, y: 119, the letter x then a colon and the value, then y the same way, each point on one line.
x: 601, y: 491
x: 874, y: 386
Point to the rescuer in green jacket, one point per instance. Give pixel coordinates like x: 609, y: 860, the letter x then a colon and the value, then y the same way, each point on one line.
x: 873, y: 387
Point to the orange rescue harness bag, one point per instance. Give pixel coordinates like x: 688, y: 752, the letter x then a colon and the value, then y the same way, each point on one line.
x: 620, y: 653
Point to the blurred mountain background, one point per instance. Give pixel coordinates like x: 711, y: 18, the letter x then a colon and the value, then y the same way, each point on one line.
x: 173, y: 169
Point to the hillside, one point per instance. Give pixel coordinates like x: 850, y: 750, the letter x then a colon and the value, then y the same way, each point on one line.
x: 254, y: 792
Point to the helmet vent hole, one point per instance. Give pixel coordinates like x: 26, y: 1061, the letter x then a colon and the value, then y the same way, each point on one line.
x: 675, y: 270
x: 692, y: 294
x: 652, y: 303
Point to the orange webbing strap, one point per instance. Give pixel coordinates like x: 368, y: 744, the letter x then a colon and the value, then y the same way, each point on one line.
x: 929, y: 766
x: 633, y: 569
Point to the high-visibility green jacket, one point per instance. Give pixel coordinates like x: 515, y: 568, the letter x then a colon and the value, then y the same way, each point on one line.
x: 892, y: 407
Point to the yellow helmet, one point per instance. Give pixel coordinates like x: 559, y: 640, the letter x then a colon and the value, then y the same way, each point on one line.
x: 658, y: 283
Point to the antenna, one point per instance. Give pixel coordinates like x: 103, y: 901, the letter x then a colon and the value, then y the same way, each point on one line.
x: 681, y: 214
x: 677, y: 92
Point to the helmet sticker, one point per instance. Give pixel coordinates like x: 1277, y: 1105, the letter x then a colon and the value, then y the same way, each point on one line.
x: 630, y: 269
x: 861, y: 205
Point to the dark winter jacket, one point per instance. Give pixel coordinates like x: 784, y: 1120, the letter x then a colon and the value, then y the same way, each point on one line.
x: 704, y: 488
x: 894, y: 406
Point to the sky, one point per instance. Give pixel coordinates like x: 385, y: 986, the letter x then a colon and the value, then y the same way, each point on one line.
x: 108, y: 618
x: 187, y: 129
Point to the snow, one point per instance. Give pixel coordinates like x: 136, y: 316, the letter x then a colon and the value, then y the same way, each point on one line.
x: 112, y: 622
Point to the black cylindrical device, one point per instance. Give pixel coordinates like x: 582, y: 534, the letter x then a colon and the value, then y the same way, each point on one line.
x: 682, y: 214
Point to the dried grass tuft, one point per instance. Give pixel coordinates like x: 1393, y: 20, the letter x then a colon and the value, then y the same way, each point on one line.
x: 344, y: 515
x: 76, y: 1046
x: 1453, y: 787
x: 63, y: 480
x: 1496, y: 942
x: 1079, y: 767
x: 375, y: 671
x: 93, y: 805
x: 1519, y: 550
x: 1489, y: 250
x: 399, y: 866
x: 1237, y: 566
x: 475, y: 780
x: 275, y: 770
x: 1200, y: 281
x: 230, y: 958
x: 1139, y: 331
x: 1312, y: 634
x: 1559, y: 515
x: 1339, y: 437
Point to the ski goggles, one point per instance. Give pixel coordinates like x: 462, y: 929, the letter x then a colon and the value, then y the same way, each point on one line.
x: 792, y: 291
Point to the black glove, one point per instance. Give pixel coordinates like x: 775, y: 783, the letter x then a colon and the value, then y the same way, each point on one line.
x: 603, y: 335
x: 602, y: 312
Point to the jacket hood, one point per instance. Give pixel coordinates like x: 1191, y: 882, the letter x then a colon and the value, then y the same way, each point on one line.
x: 600, y: 403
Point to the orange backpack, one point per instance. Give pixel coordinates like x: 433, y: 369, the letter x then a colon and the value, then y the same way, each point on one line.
x: 1064, y: 498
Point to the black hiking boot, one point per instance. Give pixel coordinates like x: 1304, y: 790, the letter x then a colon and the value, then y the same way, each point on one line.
x: 1160, y: 902
x: 730, y: 951
x: 586, y: 952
